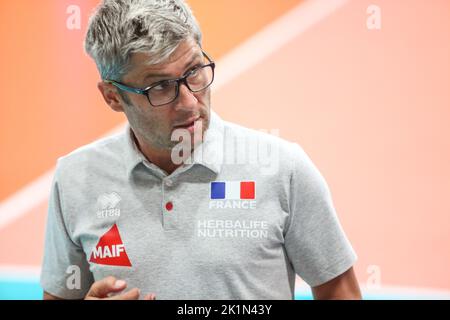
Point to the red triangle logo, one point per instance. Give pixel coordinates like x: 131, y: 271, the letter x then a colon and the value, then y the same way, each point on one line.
x: 110, y: 250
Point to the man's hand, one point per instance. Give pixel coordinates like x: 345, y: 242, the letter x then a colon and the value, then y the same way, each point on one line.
x: 102, y: 290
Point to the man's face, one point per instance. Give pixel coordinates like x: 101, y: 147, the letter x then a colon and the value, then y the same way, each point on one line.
x: 154, y: 125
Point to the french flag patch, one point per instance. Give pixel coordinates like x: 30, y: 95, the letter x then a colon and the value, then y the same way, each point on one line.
x: 233, y: 190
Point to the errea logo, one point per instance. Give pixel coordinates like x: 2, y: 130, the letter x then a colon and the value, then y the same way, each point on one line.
x: 107, y: 205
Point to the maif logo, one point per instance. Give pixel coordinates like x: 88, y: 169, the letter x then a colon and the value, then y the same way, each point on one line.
x: 110, y: 250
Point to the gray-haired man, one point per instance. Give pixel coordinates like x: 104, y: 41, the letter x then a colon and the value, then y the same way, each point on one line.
x: 136, y: 211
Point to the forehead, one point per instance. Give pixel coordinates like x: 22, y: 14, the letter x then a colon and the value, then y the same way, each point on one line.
x: 186, y: 53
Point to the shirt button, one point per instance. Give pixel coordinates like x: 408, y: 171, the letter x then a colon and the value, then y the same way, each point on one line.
x: 169, y: 183
x: 169, y: 206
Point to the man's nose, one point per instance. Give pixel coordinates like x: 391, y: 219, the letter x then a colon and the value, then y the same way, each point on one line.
x: 186, y: 98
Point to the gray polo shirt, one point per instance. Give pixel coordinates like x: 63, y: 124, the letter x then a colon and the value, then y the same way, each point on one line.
x: 238, y: 220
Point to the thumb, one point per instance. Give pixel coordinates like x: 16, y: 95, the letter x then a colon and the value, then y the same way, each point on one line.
x: 101, y: 288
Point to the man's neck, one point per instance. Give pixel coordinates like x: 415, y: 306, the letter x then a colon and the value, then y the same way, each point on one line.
x: 162, y: 161
x: 162, y: 158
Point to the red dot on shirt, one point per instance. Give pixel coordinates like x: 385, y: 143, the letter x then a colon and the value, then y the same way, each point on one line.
x: 169, y: 206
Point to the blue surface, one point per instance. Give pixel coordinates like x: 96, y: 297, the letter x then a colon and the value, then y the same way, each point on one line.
x: 13, y: 289
x: 30, y: 289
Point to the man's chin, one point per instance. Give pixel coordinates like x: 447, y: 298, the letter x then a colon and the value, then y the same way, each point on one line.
x: 186, y: 148
x: 195, y: 133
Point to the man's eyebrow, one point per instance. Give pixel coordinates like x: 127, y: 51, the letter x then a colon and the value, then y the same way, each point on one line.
x: 167, y: 75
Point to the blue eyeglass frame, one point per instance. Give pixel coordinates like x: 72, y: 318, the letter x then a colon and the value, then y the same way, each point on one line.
x: 179, y: 81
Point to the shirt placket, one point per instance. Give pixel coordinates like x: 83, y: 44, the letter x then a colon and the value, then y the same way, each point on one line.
x: 169, y: 204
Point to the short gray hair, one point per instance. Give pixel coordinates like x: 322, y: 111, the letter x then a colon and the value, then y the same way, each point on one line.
x: 119, y: 28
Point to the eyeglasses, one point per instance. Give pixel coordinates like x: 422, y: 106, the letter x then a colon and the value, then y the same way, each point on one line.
x: 166, y: 91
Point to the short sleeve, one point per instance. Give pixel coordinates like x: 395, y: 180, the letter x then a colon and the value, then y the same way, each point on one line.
x: 315, y: 242
x: 65, y: 270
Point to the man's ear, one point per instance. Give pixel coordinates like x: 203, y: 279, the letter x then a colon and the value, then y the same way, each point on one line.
x: 111, y: 96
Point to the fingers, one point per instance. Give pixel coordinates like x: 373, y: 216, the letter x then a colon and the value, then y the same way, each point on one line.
x: 150, y: 296
x: 101, y: 288
x: 133, y: 294
x: 104, y: 288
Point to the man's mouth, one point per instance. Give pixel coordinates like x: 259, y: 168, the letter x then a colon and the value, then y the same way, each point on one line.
x: 188, y: 124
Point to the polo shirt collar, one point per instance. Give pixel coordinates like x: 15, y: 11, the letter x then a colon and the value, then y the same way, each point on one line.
x: 132, y: 154
x: 208, y: 154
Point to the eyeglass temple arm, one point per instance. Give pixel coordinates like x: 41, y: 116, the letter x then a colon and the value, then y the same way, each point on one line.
x: 124, y: 87
x: 207, y: 57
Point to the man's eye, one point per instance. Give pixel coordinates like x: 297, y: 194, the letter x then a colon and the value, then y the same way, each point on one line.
x: 162, y: 85
x: 194, y: 71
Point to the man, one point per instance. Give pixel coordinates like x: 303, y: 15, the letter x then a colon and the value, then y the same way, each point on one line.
x: 164, y: 209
